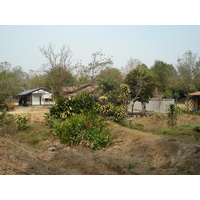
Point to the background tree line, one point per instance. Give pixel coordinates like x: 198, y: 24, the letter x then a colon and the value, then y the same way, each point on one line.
x: 162, y: 80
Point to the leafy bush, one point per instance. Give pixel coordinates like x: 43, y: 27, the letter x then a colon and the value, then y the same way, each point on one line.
x: 10, y: 124
x: 197, y: 128
x: 105, y: 110
x: 119, y: 113
x: 7, y: 123
x: 83, y: 102
x: 21, y: 122
x: 172, y: 115
x: 51, y: 121
x: 109, y: 109
x: 62, y: 109
x: 66, y: 108
x: 89, y: 130
x: 2, y: 115
x: 10, y: 105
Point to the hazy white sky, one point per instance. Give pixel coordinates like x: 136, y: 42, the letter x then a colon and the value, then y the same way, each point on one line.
x: 19, y: 45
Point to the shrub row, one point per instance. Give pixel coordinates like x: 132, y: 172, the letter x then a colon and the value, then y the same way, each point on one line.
x: 109, y: 109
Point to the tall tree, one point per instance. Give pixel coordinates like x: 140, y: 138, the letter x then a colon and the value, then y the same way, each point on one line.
x: 110, y: 78
x: 9, y: 82
x: 131, y: 64
x: 186, y: 70
x: 58, y: 71
x: 80, y: 72
x: 197, y: 75
x: 166, y: 77
x: 142, y: 85
x: 98, y: 63
x: 111, y: 72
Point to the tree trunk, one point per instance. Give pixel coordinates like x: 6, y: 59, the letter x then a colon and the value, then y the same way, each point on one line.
x: 143, y: 108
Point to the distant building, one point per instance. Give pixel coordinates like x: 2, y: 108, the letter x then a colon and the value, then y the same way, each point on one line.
x: 194, y: 103
x: 35, y: 97
x: 71, y: 92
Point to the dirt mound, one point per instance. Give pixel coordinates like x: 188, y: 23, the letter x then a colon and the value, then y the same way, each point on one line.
x: 132, y: 152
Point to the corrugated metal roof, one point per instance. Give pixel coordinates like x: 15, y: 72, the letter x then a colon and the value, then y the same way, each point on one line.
x: 195, y: 94
x: 30, y: 91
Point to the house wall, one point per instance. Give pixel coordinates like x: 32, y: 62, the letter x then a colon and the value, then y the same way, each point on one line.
x: 154, y: 105
x: 36, y: 99
x: 47, y: 102
x: 39, y: 98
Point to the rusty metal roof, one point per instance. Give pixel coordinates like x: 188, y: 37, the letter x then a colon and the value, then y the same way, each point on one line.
x: 195, y: 94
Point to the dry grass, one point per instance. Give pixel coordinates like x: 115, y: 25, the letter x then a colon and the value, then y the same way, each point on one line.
x: 131, y: 152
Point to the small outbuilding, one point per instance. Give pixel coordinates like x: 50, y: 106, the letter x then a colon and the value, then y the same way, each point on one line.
x: 35, y: 97
x: 194, y: 102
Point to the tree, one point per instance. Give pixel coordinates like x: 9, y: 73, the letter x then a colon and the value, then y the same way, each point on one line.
x: 98, y: 63
x: 111, y: 72
x: 9, y: 82
x: 80, y: 72
x: 166, y: 78
x: 186, y: 70
x: 110, y: 78
x: 142, y: 85
x: 131, y: 64
x: 197, y: 75
x: 58, y: 71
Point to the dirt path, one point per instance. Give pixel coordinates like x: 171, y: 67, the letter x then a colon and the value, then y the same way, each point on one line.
x: 132, y: 152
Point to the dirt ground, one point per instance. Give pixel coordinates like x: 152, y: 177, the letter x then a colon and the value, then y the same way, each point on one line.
x: 131, y: 153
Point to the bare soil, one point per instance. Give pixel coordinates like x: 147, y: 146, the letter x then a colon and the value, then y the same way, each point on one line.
x: 132, y: 153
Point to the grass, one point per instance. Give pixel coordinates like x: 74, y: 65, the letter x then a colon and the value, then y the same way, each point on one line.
x: 34, y: 134
x: 187, y: 129
x: 131, y: 125
x: 152, y: 168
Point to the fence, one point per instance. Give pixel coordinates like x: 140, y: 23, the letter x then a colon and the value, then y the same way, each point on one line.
x: 154, y: 105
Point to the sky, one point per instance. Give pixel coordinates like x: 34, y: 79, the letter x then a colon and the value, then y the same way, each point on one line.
x: 19, y: 44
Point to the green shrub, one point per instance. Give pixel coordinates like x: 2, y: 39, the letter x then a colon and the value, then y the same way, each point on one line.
x: 120, y: 113
x: 8, y: 124
x: 83, y: 102
x: 197, y: 128
x: 51, y: 121
x: 107, y: 109
x: 172, y: 115
x: 66, y: 108
x: 129, y: 166
x: 21, y: 122
x: 86, y: 129
x: 152, y: 168
x: 10, y: 106
x: 62, y: 109
x: 2, y: 115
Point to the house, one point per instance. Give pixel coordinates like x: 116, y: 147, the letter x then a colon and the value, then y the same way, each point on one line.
x: 194, y: 102
x: 35, y: 97
x: 71, y: 92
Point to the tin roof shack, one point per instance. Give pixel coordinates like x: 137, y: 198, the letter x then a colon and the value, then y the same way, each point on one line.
x: 35, y: 97
x: 194, y: 102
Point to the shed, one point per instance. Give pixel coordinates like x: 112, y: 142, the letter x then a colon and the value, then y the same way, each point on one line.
x: 194, y: 102
x: 35, y: 97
